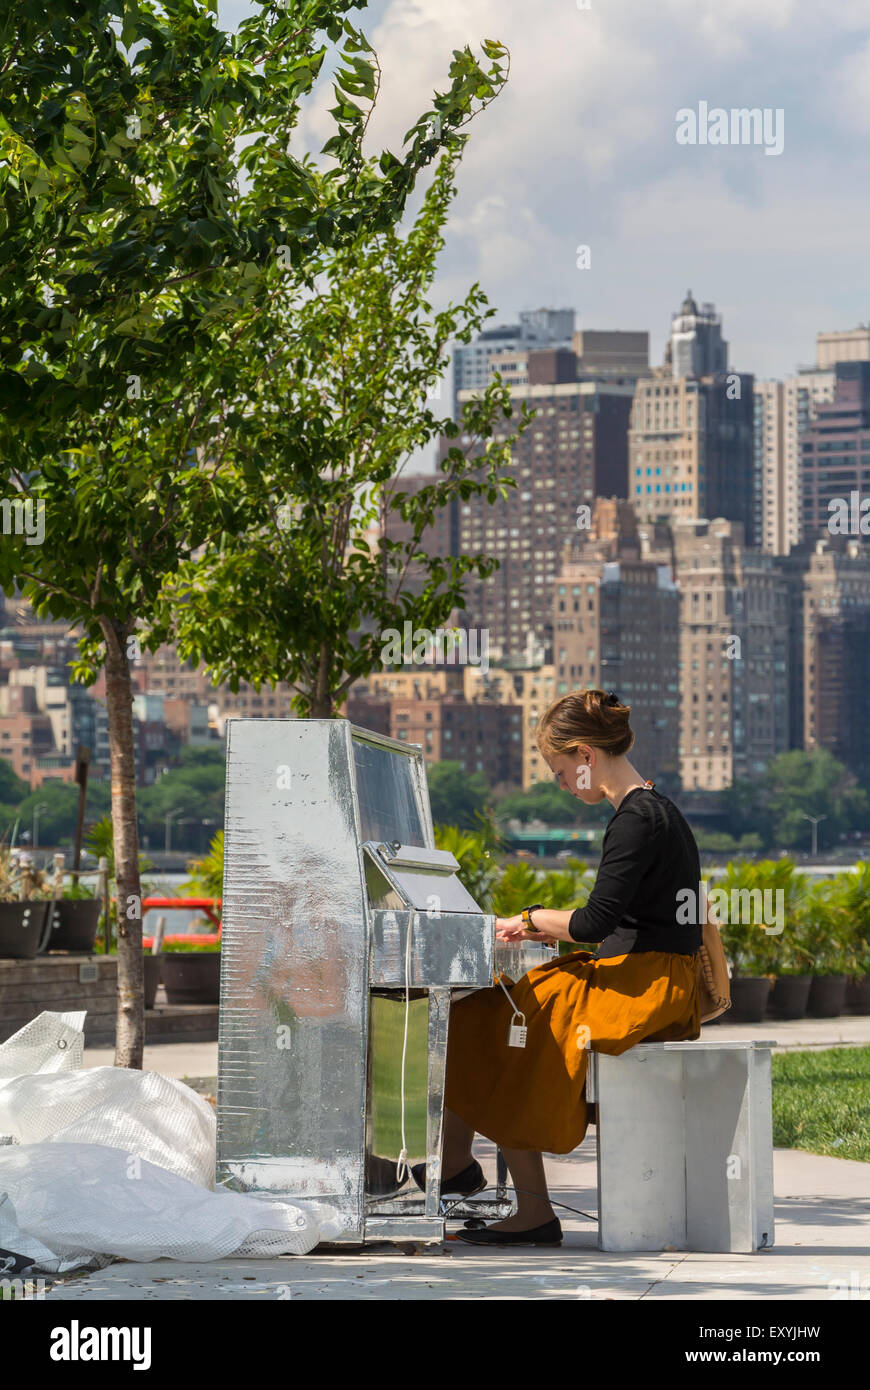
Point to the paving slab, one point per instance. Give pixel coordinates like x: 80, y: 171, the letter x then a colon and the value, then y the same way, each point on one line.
x: 822, y: 1252
x: 849, y: 1030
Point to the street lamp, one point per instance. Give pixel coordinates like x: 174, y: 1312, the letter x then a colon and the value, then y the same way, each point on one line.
x: 40, y: 806
x: 815, y: 824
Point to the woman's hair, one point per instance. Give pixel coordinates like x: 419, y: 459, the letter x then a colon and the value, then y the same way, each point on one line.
x: 586, y: 716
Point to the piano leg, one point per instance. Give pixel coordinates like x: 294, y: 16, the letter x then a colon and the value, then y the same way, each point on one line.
x: 501, y: 1176
x: 439, y: 1016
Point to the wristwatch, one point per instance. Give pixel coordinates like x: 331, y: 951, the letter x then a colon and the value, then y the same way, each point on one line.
x: 525, y: 914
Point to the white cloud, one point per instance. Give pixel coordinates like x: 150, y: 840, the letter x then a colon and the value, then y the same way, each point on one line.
x: 580, y: 148
x: 852, y: 84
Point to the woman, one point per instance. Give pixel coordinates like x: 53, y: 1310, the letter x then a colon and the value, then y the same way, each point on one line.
x: 639, y: 985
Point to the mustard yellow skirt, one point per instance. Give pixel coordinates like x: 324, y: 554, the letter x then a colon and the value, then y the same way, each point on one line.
x: 534, y: 1097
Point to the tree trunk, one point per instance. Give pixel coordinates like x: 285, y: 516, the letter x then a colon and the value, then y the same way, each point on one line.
x: 321, y: 699
x: 130, y: 1037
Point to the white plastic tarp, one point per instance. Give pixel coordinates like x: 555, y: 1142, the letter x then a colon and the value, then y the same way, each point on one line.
x: 113, y: 1163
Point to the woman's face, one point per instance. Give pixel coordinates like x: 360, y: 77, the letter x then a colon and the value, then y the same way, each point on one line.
x: 575, y: 772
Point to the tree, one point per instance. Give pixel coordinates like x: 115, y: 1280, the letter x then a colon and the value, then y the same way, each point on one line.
x: 59, y: 800
x: 192, y: 792
x: 337, y: 401
x: 816, y: 784
x: 746, y: 809
x: 796, y: 785
x: 456, y: 796
x: 133, y: 257
x: 12, y: 787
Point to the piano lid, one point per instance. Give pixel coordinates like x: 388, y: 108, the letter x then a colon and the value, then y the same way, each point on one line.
x: 423, y: 878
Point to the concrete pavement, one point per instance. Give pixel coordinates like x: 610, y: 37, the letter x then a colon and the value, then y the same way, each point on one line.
x: 822, y: 1249
x: 183, y: 1059
x: 822, y: 1252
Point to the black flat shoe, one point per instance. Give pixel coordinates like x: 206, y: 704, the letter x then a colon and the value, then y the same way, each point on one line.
x: 548, y: 1234
x: 466, y: 1183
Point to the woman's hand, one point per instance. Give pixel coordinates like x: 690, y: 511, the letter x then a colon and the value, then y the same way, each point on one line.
x: 510, y: 928
x: 550, y: 927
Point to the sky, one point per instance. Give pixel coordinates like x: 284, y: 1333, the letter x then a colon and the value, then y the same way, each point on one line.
x: 581, y: 149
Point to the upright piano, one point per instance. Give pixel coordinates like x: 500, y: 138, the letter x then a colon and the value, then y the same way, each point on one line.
x: 346, y: 934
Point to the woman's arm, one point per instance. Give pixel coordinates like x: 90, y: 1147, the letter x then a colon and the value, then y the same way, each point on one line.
x: 631, y: 847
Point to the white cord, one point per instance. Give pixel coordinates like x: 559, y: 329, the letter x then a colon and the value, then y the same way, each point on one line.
x: 402, y: 1166
x: 517, y: 1013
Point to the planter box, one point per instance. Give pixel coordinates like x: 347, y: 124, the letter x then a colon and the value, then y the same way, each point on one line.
x: 749, y: 995
x: 74, y: 924
x: 55, y: 982
x: 21, y: 928
x: 827, y: 996
x: 858, y: 994
x: 192, y: 977
x: 61, y: 983
x: 789, y: 996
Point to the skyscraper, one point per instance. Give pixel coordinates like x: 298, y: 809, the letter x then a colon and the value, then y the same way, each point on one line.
x: 472, y: 362
x: 616, y: 625
x: 612, y: 354
x: 829, y: 593
x: 843, y: 345
x: 574, y: 450
x: 696, y: 346
x: 835, y: 456
x: 733, y: 655
x: 783, y: 412
x: 691, y: 430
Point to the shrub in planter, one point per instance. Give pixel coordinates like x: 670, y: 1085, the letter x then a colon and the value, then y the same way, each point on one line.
x: 828, y: 940
x: 756, y: 903
x: 192, y: 975
x: 827, y: 998
x: 854, y: 899
x: 23, y: 907
x: 858, y: 994
x: 749, y: 996
x: 792, y: 962
x: 789, y: 996
x: 21, y: 928
x: 74, y: 920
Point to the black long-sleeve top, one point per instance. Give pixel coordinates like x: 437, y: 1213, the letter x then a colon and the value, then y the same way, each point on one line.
x: 648, y: 854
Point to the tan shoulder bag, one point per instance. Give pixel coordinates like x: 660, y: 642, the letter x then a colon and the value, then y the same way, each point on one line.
x: 714, y: 985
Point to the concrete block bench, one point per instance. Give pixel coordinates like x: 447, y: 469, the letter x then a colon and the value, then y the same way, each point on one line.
x: 685, y: 1146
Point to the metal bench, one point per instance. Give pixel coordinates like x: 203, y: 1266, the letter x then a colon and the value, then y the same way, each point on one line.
x: 685, y: 1146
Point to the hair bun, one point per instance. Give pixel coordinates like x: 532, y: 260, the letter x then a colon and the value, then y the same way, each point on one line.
x: 596, y: 717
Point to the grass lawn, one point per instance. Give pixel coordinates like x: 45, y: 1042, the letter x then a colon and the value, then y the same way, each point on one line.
x: 821, y: 1101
